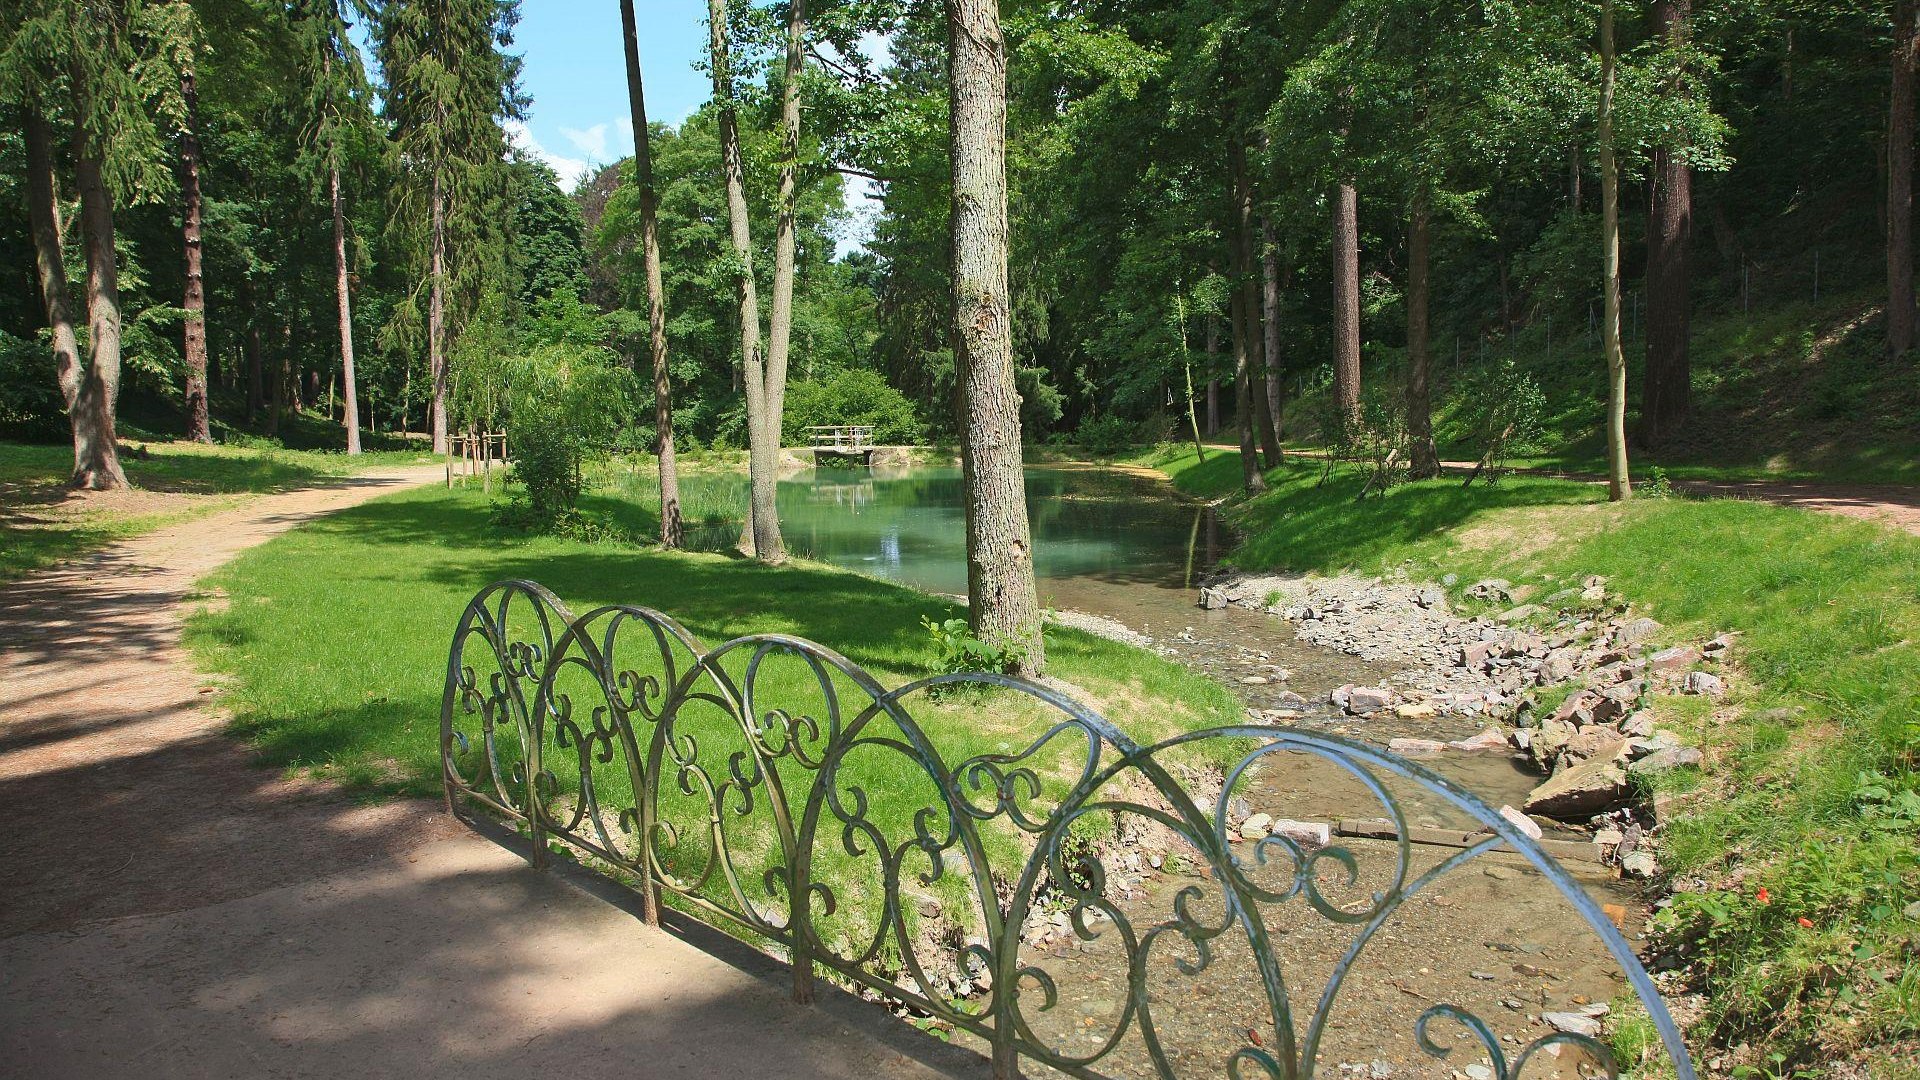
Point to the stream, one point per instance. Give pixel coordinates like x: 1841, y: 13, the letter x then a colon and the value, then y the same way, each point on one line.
x: 1493, y: 937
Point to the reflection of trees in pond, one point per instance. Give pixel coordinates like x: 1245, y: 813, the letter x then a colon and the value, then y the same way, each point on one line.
x: 911, y: 527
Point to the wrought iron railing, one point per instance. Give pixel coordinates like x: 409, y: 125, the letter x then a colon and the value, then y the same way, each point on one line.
x: 760, y: 784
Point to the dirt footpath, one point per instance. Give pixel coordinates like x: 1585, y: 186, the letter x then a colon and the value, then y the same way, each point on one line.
x: 168, y: 908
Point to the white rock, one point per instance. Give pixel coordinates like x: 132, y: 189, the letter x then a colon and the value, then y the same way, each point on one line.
x: 1521, y: 821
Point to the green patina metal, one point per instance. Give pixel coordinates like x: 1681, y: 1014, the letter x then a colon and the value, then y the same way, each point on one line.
x: 622, y: 735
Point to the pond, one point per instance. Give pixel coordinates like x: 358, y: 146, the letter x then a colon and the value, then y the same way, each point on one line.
x: 909, y: 524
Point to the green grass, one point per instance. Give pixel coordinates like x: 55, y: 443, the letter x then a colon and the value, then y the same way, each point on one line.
x: 335, y: 636
x: 39, y: 527
x: 201, y: 469
x: 1811, y: 789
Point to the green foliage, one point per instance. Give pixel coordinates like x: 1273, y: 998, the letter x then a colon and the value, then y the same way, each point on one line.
x: 1504, y: 414
x: 851, y: 396
x: 565, y: 404
x: 956, y: 651
x: 1106, y: 436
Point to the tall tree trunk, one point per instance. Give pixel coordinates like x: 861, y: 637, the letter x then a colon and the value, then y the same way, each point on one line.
x: 1004, y: 603
x: 1251, y: 474
x: 1666, y: 394
x: 437, y: 319
x: 1270, y: 322
x: 672, y: 528
x: 1900, y: 298
x: 96, y: 454
x: 1346, y: 300
x: 256, y: 368
x: 1247, y: 285
x: 780, y: 317
x: 1213, y: 375
x: 1426, y: 458
x: 1186, y: 369
x: 43, y: 217
x: 342, y: 287
x: 763, y: 521
x: 194, y: 326
x: 1619, y: 487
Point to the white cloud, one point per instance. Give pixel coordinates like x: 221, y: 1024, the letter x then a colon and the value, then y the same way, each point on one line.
x: 569, y: 169
x: 591, y: 142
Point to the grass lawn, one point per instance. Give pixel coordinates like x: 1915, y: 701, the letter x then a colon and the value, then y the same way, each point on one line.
x: 1809, y: 807
x: 336, y: 637
x: 41, y: 522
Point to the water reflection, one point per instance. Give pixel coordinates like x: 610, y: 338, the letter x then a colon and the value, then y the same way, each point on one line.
x: 909, y: 525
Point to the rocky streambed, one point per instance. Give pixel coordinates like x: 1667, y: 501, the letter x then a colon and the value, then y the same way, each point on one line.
x: 1543, y: 705
x: 1565, y: 684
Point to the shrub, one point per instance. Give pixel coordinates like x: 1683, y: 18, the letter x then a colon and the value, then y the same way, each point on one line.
x: 1505, y: 414
x: 1107, y: 435
x: 958, y: 652
x: 850, y: 396
x: 565, y: 403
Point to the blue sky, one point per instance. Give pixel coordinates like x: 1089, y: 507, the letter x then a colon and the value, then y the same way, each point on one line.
x: 576, y: 75
x: 575, y: 72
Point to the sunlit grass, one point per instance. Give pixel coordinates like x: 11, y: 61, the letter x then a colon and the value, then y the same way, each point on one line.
x: 336, y: 637
x: 39, y: 527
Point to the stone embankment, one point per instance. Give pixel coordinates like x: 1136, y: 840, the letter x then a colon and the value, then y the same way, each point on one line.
x: 1568, y: 680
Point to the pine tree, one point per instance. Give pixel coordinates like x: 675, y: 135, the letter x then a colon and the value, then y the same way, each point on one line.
x: 449, y: 87
x: 1004, y: 604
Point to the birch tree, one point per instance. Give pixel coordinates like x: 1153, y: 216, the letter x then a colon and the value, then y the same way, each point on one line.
x: 762, y: 536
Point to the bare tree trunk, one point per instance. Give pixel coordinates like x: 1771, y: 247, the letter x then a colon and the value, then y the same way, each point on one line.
x: 43, y: 216
x: 1004, y: 603
x: 1346, y: 300
x: 1900, y: 298
x: 194, y: 326
x: 256, y: 373
x: 672, y: 528
x: 1213, y: 375
x: 1251, y: 474
x: 1426, y: 458
x: 1270, y: 322
x: 1619, y: 487
x: 780, y: 317
x: 437, y: 320
x: 1186, y: 369
x: 349, y: 416
x: 1666, y: 393
x: 96, y: 454
x: 1247, y: 285
x: 762, y: 535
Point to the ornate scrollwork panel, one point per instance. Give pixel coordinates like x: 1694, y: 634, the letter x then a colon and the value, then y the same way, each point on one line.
x: 773, y: 786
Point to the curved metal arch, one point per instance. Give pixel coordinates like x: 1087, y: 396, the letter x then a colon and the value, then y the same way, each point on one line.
x: 796, y: 769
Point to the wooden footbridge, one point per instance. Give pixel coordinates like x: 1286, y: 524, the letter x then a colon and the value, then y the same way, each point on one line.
x: 847, y: 441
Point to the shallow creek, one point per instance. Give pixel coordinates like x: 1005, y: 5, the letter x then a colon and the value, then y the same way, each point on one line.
x: 1492, y: 937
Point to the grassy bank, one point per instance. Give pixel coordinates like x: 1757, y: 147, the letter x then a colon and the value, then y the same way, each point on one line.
x: 1794, y: 862
x: 1792, y: 391
x: 41, y: 522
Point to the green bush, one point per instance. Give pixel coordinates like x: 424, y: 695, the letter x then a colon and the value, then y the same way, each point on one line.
x: 1107, y: 435
x: 565, y: 404
x: 850, y: 396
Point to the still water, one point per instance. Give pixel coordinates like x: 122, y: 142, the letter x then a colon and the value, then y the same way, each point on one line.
x: 908, y: 525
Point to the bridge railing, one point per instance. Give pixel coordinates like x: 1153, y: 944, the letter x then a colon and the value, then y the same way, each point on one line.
x: 840, y: 436
x: 770, y: 786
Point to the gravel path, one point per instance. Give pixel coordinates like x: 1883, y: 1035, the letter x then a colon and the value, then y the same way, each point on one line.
x: 171, y: 909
